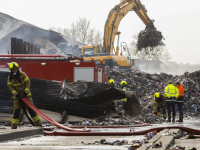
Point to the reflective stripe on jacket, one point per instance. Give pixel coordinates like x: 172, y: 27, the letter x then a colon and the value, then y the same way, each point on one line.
x: 124, y: 89
x: 171, y: 92
x: 19, y: 85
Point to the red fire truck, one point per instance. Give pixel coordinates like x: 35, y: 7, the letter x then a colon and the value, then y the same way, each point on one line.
x: 54, y: 67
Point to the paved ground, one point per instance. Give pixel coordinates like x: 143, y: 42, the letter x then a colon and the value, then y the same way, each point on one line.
x: 7, y: 117
x: 83, y: 142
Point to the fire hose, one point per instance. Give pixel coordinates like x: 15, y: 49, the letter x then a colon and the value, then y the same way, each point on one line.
x: 25, y: 100
x: 81, y: 132
x: 115, y: 126
x: 58, y: 133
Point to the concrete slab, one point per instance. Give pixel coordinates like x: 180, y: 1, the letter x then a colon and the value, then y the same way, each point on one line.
x: 11, y: 134
x: 176, y: 131
x: 188, y: 143
x: 166, y: 140
x: 155, y: 138
x: 164, y: 131
x: 142, y: 148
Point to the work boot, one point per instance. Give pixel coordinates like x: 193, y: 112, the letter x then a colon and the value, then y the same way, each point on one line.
x: 38, y: 123
x: 14, y: 126
x: 169, y: 119
x: 181, y: 118
x: 173, y: 119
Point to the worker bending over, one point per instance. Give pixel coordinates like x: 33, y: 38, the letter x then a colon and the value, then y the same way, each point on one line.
x: 158, y: 103
x: 19, y: 85
x: 171, y: 93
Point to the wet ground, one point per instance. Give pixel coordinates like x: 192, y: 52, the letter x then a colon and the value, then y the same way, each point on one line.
x: 87, y: 142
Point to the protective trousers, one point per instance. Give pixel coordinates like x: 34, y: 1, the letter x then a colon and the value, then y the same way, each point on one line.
x: 164, y: 112
x: 17, y: 114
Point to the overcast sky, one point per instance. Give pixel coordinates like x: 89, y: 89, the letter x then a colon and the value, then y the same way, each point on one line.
x: 178, y: 20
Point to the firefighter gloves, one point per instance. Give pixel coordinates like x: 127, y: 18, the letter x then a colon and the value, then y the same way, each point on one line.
x: 18, y: 96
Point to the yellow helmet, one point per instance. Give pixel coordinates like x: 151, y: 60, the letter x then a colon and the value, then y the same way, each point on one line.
x: 123, y: 83
x: 13, y: 65
x: 157, y: 95
x: 112, y: 82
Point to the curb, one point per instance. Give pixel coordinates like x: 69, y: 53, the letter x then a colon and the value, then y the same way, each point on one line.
x: 6, y: 135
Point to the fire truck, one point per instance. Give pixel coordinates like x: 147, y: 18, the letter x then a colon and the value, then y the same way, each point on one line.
x: 54, y: 67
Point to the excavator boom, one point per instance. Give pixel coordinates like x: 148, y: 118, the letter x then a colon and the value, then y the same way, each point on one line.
x: 116, y: 15
x: 111, y: 30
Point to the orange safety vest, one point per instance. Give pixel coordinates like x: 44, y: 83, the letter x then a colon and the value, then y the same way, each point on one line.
x: 181, y: 91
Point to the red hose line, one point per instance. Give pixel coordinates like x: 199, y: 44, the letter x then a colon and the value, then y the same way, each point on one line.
x: 64, y: 133
x: 115, y: 126
x: 28, y: 55
x: 51, y: 120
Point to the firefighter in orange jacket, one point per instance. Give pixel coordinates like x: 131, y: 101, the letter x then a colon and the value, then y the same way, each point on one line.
x: 180, y: 100
x: 19, y: 85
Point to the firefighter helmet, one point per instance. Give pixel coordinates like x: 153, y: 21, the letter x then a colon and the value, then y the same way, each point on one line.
x: 123, y: 83
x: 13, y: 65
x: 112, y: 82
x: 157, y: 95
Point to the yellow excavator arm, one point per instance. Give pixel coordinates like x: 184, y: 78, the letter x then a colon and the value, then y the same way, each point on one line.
x: 114, y: 18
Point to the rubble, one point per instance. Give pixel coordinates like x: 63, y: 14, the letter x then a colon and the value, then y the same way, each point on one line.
x: 145, y: 85
x: 95, y: 93
x: 149, y: 37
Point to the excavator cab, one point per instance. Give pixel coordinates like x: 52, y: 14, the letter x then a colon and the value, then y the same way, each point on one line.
x: 97, y: 53
x: 90, y: 50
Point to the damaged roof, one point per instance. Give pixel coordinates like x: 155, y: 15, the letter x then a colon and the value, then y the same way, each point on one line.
x: 11, y: 27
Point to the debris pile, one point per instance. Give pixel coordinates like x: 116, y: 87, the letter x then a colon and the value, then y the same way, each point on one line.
x: 149, y: 37
x: 145, y: 85
x: 95, y: 93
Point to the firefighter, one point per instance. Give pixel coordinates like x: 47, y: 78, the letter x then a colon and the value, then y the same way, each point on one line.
x: 124, y: 88
x: 180, y: 100
x: 171, y: 94
x: 158, y: 103
x: 112, y: 82
x: 19, y: 85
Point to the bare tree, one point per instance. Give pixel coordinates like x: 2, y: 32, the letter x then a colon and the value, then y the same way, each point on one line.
x: 98, y: 38
x: 90, y: 37
x: 81, y: 31
x: 149, y: 53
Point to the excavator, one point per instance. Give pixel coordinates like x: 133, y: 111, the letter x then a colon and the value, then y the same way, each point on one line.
x: 107, y: 54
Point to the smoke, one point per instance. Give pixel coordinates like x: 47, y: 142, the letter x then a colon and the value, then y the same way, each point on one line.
x: 155, y: 66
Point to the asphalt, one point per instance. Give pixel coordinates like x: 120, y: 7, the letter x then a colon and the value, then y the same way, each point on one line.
x: 31, y: 138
